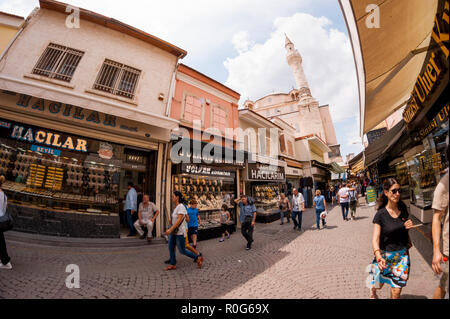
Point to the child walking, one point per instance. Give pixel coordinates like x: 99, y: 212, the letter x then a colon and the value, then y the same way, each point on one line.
x: 224, y: 219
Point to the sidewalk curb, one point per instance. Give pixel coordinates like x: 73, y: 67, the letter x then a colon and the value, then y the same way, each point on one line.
x: 44, y: 240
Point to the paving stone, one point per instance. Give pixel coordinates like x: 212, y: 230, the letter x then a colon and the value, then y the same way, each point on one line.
x: 283, y: 263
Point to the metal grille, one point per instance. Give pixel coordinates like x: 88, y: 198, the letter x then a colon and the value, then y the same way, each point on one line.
x: 118, y: 79
x: 58, y: 62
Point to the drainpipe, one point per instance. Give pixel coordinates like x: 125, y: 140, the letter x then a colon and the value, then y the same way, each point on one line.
x: 172, y: 89
x: 24, y: 25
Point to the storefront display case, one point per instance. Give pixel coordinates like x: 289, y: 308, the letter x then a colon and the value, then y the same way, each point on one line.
x: 59, y: 182
x: 422, y: 179
x: 402, y: 177
x: 210, y: 192
x: 266, y: 196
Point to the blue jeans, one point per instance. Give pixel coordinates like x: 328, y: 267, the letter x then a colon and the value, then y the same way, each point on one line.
x: 318, y: 212
x: 287, y: 214
x: 130, y: 221
x: 344, y: 207
x: 180, y: 242
x: 294, y: 219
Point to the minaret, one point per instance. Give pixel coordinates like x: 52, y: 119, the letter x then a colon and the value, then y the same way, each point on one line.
x: 294, y: 59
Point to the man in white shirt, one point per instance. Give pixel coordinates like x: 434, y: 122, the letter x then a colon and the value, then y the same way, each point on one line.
x: 298, y: 207
x: 147, y: 214
x: 344, y: 199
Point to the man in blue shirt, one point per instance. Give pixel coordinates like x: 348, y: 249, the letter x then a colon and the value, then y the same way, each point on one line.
x: 247, y: 218
x: 130, y: 208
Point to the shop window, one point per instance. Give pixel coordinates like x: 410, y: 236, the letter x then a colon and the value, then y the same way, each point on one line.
x: 193, y: 109
x: 58, y: 62
x: 117, y: 79
x: 219, y: 118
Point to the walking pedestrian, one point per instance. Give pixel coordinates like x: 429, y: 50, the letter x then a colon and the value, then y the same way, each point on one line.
x: 285, y: 208
x: 4, y: 258
x: 147, y: 214
x: 194, y: 222
x: 390, y: 242
x: 344, y: 201
x: 225, y: 217
x: 177, y: 233
x: 333, y: 194
x: 186, y: 244
x: 247, y: 218
x: 298, y: 207
x: 130, y: 208
x: 440, y: 206
x: 353, y: 196
x: 321, y: 206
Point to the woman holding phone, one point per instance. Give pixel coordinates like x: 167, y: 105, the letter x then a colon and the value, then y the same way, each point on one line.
x: 390, y: 242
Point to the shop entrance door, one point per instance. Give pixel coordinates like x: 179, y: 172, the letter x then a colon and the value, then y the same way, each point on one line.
x: 139, y: 168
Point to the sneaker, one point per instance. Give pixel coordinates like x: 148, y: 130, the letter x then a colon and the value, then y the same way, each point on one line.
x: 221, y: 240
x: 249, y: 246
x: 7, y: 266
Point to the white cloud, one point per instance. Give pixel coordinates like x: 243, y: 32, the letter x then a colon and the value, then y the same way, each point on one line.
x: 327, y: 61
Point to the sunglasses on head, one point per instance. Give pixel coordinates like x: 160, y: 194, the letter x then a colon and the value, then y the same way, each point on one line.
x: 395, y: 191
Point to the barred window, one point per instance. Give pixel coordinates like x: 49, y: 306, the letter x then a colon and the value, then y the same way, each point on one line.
x: 58, y: 62
x: 118, y: 79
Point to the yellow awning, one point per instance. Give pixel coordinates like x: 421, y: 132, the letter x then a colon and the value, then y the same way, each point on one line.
x: 389, y: 58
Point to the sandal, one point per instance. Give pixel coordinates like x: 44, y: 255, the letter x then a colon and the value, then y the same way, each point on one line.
x: 171, y: 267
x: 373, y: 295
x: 199, y: 262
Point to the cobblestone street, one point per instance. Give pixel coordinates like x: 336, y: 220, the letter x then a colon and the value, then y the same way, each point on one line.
x: 283, y: 263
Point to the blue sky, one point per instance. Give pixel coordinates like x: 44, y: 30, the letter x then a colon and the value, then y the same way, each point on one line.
x: 224, y: 37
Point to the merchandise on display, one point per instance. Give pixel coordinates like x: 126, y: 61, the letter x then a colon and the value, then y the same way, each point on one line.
x: 209, y: 192
x: 35, y: 178
x: 266, y: 195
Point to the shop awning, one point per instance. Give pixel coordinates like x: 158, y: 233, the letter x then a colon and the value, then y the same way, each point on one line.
x: 376, y: 151
x: 336, y: 168
x: 388, y: 58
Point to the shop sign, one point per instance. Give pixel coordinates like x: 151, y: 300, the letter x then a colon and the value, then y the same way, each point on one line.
x: 204, y: 170
x: 40, y: 136
x: 436, y: 122
x: 68, y: 111
x: 293, y: 171
x: 374, y: 135
x: 263, y: 172
x: 105, y: 150
x: 45, y: 150
x: 371, y: 196
x: 434, y: 70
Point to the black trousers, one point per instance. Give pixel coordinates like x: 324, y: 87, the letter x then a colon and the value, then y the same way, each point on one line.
x: 3, y: 252
x: 247, y: 231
